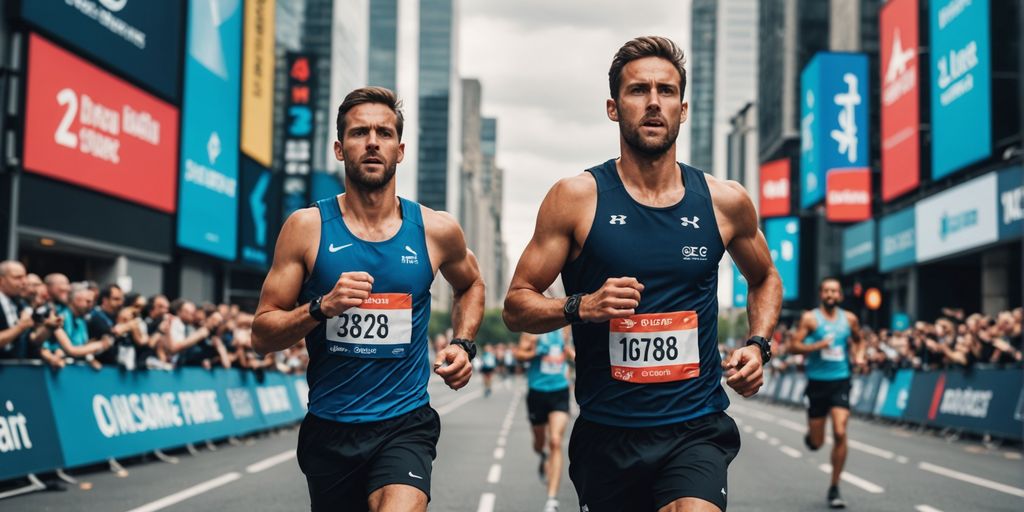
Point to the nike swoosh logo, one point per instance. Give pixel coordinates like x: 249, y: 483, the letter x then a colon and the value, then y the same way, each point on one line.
x: 415, y: 476
x: 332, y: 248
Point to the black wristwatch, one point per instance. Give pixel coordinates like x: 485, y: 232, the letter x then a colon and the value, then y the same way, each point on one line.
x: 314, y: 309
x: 764, y: 345
x: 466, y: 345
x: 571, y: 309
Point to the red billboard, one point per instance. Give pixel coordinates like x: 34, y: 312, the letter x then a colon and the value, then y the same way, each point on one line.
x: 774, y: 198
x: 901, y: 156
x: 86, y: 127
x: 848, y: 195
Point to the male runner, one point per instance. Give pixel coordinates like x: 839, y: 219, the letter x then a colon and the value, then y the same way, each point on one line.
x: 825, y: 335
x: 547, y: 402
x: 488, y: 363
x: 638, y: 240
x: 360, y: 265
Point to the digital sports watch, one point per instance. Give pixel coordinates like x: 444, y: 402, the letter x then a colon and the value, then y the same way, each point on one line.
x: 466, y: 345
x: 764, y: 345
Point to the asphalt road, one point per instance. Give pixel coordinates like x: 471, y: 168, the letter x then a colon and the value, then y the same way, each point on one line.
x: 485, y: 464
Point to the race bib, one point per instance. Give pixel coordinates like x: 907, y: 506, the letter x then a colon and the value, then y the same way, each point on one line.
x: 654, y: 347
x: 553, y: 363
x: 833, y: 354
x: 380, y: 328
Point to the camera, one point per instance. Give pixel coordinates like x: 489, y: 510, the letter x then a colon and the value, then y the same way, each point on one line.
x: 41, y: 313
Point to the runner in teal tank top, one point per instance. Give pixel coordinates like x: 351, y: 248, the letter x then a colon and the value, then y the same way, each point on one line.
x: 829, y: 338
x: 360, y: 266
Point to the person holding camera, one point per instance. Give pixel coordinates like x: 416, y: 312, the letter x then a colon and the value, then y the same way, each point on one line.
x: 72, y: 338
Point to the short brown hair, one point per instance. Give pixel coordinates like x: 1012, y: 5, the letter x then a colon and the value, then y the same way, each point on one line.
x: 362, y: 95
x: 646, y: 46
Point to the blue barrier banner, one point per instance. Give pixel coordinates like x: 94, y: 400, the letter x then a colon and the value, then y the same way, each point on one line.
x: 282, y: 399
x: 868, y: 392
x: 28, y: 437
x: 897, y: 394
x: 981, y: 401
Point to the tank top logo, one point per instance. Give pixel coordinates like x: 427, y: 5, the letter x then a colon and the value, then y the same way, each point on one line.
x: 412, y: 258
x: 687, y: 222
x: 695, y: 253
x: 617, y: 219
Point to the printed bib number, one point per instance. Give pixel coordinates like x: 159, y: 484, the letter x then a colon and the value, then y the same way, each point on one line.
x: 553, y: 363
x: 380, y: 328
x: 654, y: 347
x: 832, y: 354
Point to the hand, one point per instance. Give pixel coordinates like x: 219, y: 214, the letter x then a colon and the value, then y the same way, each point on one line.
x: 744, y: 372
x: 350, y: 291
x: 53, y: 321
x: 25, y: 321
x: 617, y: 298
x: 458, y: 371
x: 825, y: 343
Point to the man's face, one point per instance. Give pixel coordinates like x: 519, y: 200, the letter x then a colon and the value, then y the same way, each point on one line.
x: 114, y: 302
x: 12, y: 284
x: 649, y: 109
x: 831, y: 294
x: 59, y: 289
x: 187, y: 312
x: 370, y: 147
x: 34, y: 286
x: 160, y: 307
x: 81, y: 303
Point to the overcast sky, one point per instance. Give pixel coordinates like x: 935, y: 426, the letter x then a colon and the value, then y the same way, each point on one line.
x: 544, y: 65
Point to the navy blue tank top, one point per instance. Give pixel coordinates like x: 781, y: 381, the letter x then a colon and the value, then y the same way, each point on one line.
x: 371, y: 363
x: 662, y: 365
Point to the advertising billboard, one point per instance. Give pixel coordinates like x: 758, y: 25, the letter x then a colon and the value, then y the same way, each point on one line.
x: 259, y: 199
x: 848, y: 197
x: 897, y: 240
x: 783, y: 236
x: 775, y: 200
x: 298, y: 142
x: 1011, y: 203
x: 258, y: 82
x: 958, y: 219
x: 208, y: 209
x: 961, y: 84
x: 140, y: 39
x: 859, y: 246
x: 834, y: 129
x: 86, y: 127
x: 901, y: 117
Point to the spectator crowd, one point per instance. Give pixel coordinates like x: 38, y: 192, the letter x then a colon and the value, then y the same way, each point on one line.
x: 59, y: 322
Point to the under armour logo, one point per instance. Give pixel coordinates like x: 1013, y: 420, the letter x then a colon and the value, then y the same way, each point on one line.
x: 692, y: 223
x: 617, y: 219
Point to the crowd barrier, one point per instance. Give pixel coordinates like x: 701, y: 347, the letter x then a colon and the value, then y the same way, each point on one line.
x: 981, y: 401
x: 79, y: 416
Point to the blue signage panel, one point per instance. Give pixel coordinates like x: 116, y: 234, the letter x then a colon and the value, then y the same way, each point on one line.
x: 897, y: 394
x: 140, y: 39
x: 326, y: 185
x: 834, y: 128
x: 28, y: 437
x: 900, y: 321
x: 958, y: 219
x: 961, y: 84
x: 1011, y: 203
x: 259, y: 201
x: 897, y: 240
x: 783, y: 235
x: 208, y: 197
x: 739, y: 288
x: 859, y: 246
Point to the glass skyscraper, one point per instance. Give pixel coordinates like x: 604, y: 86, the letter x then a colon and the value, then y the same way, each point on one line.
x: 383, y: 43
x: 435, y: 95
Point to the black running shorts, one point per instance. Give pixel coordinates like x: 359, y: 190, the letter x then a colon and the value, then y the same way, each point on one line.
x: 345, y: 462
x: 823, y: 395
x: 539, y: 404
x: 644, y: 469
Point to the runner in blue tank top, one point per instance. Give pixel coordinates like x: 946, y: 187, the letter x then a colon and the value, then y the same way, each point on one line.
x: 638, y: 241
x: 827, y: 336
x: 547, y: 402
x: 360, y: 266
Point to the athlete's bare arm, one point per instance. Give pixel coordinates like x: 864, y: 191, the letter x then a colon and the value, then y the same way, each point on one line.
x: 458, y: 265
x: 563, y: 224
x: 527, y: 347
x: 858, y: 347
x: 279, y: 324
x: 806, y: 326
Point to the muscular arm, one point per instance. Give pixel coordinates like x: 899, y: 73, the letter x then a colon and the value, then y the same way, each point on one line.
x: 173, y: 346
x: 278, y: 323
x: 459, y: 267
x: 857, y: 345
x: 527, y: 347
x: 796, y: 342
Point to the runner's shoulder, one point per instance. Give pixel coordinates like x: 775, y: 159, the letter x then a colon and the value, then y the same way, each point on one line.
x: 729, y: 196
x: 441, y: 225
x: 300, y: 223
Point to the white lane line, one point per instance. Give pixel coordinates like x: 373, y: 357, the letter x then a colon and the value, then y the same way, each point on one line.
x: 774, y: 441
x: 971, y: 479
x: 501, y: 441
x: 792, y: 425
x: 1012, y: 455
x: 748, y: 429
x: 270, y: 462
x: 792, y: 452
x: 494, y: 475
x: 753, y: 413
x: 185, y: 494
x: 926, y: 508
x: 901, y: 459
x: 873, y: 488
x: 499, y: 453
x: 761, y: 435
x: 486, y: 502
x: 873, y: 450
x: 459, y: 402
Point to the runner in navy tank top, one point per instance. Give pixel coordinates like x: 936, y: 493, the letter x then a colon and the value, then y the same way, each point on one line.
x: 637, y: 241
x: 360, y: 265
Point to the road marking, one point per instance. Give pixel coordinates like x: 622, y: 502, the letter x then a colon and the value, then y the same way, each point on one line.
x: 774, y: 441
x: 971, y: 479
x: 501, y: 441
x: 748, y: 429
x: 486, y: 502
x: 873, y: 450
x: 901, y: 459
x: 761, y: 435
x: 499, y: 453
x: 185, y: 494
x: 854, y: 480
x: 458, y: 402
x: 792, y: 425
x: 494, y: 475
x: 926, y: 508
x: 1012, y: 455
x: 753, y: 412
x: 792, y: 452
x: 270, y: 462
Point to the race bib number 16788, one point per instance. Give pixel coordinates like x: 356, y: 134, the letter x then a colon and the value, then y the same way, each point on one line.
x: 654, y: 347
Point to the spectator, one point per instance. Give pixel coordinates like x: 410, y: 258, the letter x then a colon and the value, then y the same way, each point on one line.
x: 15, y: 315
x: 102, y: 322
x: 72, y: 339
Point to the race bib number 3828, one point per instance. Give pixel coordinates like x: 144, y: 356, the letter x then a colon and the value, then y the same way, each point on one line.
x: 654, y: 347
x: 380, y: 328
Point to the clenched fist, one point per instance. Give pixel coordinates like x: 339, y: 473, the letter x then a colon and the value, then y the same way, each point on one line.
x: 350, y: 291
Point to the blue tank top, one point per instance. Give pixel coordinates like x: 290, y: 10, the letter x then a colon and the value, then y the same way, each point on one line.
x: 371, y: 363
x: 661, y: 366
x: 832, y: 363
x: 547, y: 368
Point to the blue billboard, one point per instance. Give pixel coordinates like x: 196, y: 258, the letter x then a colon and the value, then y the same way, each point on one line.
x: 783, y: 235
x: 1011, y: 203
x: 325, y: 185
x: 961, y: 84
x: 897, y: 240
x: 739, y: 288
x: 258, y: 204
x: 208, y: 197
x: 834, y: 128
x: 859, y: 246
